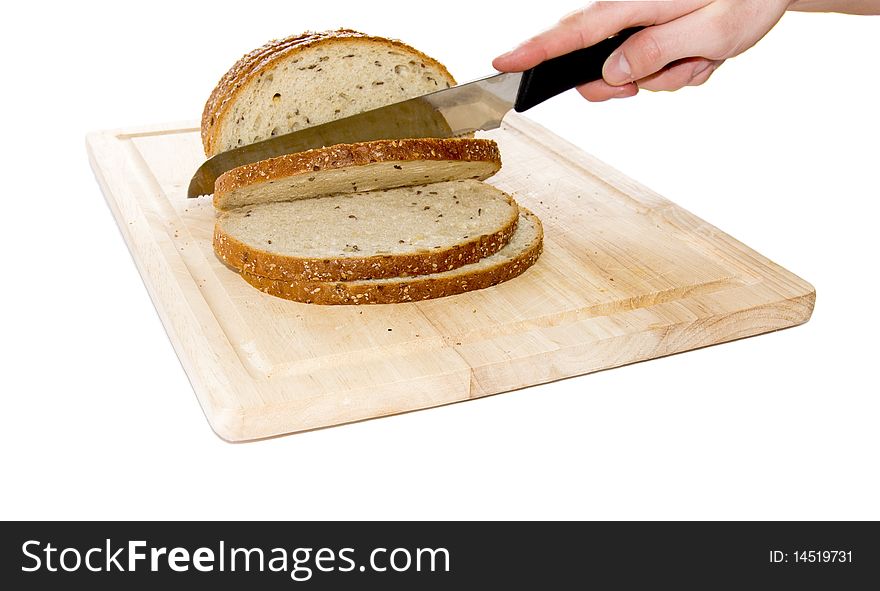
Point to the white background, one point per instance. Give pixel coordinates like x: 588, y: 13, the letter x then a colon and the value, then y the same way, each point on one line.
x: 779, y: 149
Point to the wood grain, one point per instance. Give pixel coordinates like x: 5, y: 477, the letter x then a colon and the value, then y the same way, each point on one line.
x: 626, y: 275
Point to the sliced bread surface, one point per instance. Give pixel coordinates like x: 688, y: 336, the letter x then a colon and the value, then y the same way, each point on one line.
x: 313, y: 78
x: 390, y: 233
x: 520, y: 253
x: 353, y: 168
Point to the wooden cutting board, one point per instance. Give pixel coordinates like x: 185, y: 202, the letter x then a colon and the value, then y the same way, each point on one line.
x: 625, y: 276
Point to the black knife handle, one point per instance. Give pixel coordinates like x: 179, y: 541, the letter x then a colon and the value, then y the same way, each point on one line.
x: 559, y: 74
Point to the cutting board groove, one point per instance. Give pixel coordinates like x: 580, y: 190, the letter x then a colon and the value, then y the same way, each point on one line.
x: 626, y: 276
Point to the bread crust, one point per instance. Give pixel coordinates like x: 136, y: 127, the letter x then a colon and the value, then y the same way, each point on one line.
x: 407, y: 289
x: 259, y: 60
x: 244, y: 258
x: 357, y: 154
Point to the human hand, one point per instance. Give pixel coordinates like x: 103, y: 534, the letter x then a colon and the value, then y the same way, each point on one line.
x: 683, y: 43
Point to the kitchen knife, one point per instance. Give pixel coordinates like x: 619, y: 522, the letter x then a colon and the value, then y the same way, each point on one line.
x: 455, y: 111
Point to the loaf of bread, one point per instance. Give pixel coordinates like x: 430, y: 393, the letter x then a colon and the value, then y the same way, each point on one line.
x: 391, y: 233
x: 352, y: 168
x: 308, y: 79
x: 378, y: 222
x: 519, y: 254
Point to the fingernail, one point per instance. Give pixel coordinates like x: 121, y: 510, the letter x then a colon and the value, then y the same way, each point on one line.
x: 617, y: 70
x: 624, y: 92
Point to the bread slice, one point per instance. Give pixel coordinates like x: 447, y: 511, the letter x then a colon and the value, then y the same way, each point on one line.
x: 390, y: 233
x: 353, y: 168
x: 310, y: 79
x: 518, y: 255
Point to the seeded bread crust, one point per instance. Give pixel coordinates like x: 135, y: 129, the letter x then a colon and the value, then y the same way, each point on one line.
x: 262, y: 58
x: 358, y: 154
x: 247, y: 259
x: 411, y: 289
x: 353, y: 155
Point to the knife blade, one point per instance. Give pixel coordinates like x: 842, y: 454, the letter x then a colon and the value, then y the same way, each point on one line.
x: 451, y: 112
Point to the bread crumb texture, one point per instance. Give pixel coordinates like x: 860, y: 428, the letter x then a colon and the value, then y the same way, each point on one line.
x: 520, y: 253
x: 358, y: 167
x: 313, y: 78
x: 393, y: 233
